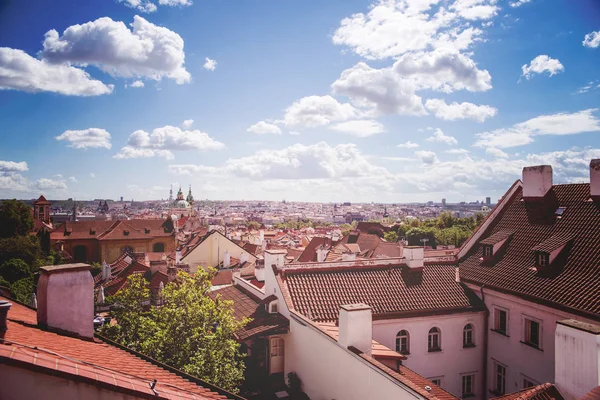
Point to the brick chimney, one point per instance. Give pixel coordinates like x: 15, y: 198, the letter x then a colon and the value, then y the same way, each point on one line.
x: 595, y: 179
x: 537, y: 181
x: 65, y: 295
x: 4, y: 307
x: 356, y: 327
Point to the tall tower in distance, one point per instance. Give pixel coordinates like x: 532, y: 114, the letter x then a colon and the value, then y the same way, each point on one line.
x: 488, y: 201
x: 171, y: 194
x: 41, y: 209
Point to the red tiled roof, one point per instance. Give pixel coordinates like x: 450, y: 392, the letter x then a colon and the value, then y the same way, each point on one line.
x: 118, y: 281
x: 496, y: 237
x: 103, y: 229
x: 552, y: 243
x: 251, y: 248
x: 95, y: 362
x: 310, y: 252
x: 534, y: 223
x: 593, y: 394
x: 157, y: 278
x: 366, y: 242
x: 224, y: 277
x: 390, y: 290
x: 41, y: 201
x: 546, y: 391
x: 246, y: 306
x: 387, y: 249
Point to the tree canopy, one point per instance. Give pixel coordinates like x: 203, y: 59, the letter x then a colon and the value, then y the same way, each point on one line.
x: 189, y: 331
x: 15, y: 219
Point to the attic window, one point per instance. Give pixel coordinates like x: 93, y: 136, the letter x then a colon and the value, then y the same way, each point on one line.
x: 92, y: 231
x: 559, y: 211
x: 543, y: 259
x: 146, y: 230
x: 273, y: 307
x: 488, y: 250
x: 126, y: 233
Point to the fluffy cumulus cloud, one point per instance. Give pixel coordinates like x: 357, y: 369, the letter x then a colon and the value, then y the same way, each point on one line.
x: 552, y: 124
x: 541, y: 64
x: 50, y: 184
x: 592, y: 40
x: 147, y: 6
x: 162, y: 141
x: 439, y: 136
x: 314, y: 111
x: 426, y: 157
x: 210, y: 64
x: 20, y: 71
x: 518, y: 3
x: 395, y: 27
x: 408, y: 145
x: 454, y: 111
x: 187, y: 124
x: 145, y: 50
x: 137, y: 84
x: 492, y: 151
x: 91, y: 138
x: 359, y: 128
x: 264, y: 128
x: 11, y: 178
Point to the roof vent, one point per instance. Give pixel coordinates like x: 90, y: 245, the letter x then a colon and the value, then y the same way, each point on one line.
x: 428, y: 388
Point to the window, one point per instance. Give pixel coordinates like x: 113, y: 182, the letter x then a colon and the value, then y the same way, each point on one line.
x: 499, y: 379
x: 402, y: 345
x: 501, y: 321
x: 276, y: 347
x: 487, y: 251
x: 468, y: 336
x: 467, y: 385
x: 158, y: 247
x: 528, y: 383
x: 127, y: 249
x: 543, y: 259
x: 80, y: 253
x: 437, y: 380
x: 273, y: 307
x: 434, y: 342
x: 531, y: 335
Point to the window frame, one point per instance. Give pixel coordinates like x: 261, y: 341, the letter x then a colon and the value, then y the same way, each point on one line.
x: 436, y: 380
x: 462, y: 385
x: 526, y: 332
x: 497, y: 325
x: 495, y: 376
x: 488, y: 251
x: 399, y: 338
x: 471, y: 329
x: 525, y: 380
x: 543, y: 259
x: 273, y: 307
x: 438, y: 335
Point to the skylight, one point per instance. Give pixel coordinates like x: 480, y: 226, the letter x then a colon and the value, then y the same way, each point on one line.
x: 559, y: 211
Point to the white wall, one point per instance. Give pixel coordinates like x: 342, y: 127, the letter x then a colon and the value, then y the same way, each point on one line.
x: 453, y: 360
x: 328, y: 371
x: 211, y: 252
x: 520, y: 359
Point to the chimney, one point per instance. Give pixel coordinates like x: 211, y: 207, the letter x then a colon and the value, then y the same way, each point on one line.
x: 457, y: 275
x: 322, y: 253
x: 65, y: 295
x: 537, y: 181
x: 576, y: 358
x: 226, y: 259
x: 243, y: 257
x: 4, y: 307
x: 106, y: 271
x: 595, y: 179
x: 178, y: 257
x: 413, y: 257
x: 356, y: 327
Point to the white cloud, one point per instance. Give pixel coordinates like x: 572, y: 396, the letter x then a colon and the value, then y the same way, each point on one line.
x: 440, y: 137
x: 192, y: 169
x: 210, y: 64
x: 92, y: 175
x: 187, y: 124
x: 592, y: 40
x: 540, y: 64
x: 496, y: 152
x: 408, y: 145
x: 137, y: 84
x: 359, y: 128
x: 426, y: 157
x: 91, y: 138
x: 463, y: 110
x: 73, y: 179
x: 392, y: 28
x: 162, y: 141
x: 518, y: 3
x: 263, y: 128
x: 147, y: 50
x: 50, y: 184
x: 147, y: 6
x: 295, y: 133
x: 12, y: 166
x: 314, y: 111
x: 552, y: 124
x: 457, y: 151
x: 20, y: 71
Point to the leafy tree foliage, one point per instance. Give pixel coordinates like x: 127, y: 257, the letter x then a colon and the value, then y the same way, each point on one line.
x: 189, y: 331
x: 391, y: 236
x: 15, y: 219
x: 96, y: 268
x: 14, y: 270
x: 22, y: 289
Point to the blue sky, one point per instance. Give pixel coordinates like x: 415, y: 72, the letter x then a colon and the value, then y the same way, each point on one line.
x: 386, y: 101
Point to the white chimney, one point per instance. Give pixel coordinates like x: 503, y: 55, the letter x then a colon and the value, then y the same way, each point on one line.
x: 356, y: 327
x: 595, y: 179
x: 243, y: 257
x: 457, y: 274
x: 106, y: 271
x: 413, y: 256
x: 178, y: 257
x: 274, y: 257
x: 322, y: 253
x: 65, y: 295
x: 261, y: 234
x: 226, y: 259
x: 537, y: 181
x: 576, y: 358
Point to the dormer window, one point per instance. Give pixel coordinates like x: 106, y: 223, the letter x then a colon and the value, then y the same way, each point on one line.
x: 488, y: 251
x: 273, y: 309
x: 543, y: 259
x: 494, y: 243
x: 548, y: 251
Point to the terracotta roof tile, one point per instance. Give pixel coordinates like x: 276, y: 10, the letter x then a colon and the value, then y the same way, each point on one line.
x: 29, y: 346
x: 546, y: 391
x: 310, y: 252
x: 496, y: 237
x: 536, y: 224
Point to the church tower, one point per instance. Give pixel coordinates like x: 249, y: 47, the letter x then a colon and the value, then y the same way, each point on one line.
x: 171, y: 194
x: 41, y: 210
x: 190, y: 198
x: 179, y: 194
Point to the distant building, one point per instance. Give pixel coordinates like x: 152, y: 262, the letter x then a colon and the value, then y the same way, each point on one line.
x: 443, y: 202
x: 488, y: 201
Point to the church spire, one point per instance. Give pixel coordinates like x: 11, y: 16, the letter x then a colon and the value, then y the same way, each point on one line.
x: 190, y: 198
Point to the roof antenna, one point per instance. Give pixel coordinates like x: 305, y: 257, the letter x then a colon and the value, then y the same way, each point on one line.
x: 152, y: 385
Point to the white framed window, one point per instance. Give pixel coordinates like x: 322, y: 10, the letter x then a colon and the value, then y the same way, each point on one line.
x: 276, y: 347
x: 403, y: 342
x: 468, y: 385
x: 488, y: 251
x: 468, y: 336
x: 501, y: 320
x: 532, y: 332
x: 499, y: 371
x: 434, y: 340
x: 437, y: 380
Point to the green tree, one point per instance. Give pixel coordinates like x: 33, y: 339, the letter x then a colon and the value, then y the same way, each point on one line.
x: 253, y: 225
x: 96, y: 268
x: 15, y: 219
x: 391, y: 236
x: 22, y: 290
x: 189, y: 331
x: 415, y: 236
x: 14, y: 270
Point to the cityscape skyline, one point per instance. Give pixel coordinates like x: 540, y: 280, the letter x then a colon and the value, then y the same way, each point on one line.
x: 361, y: 101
